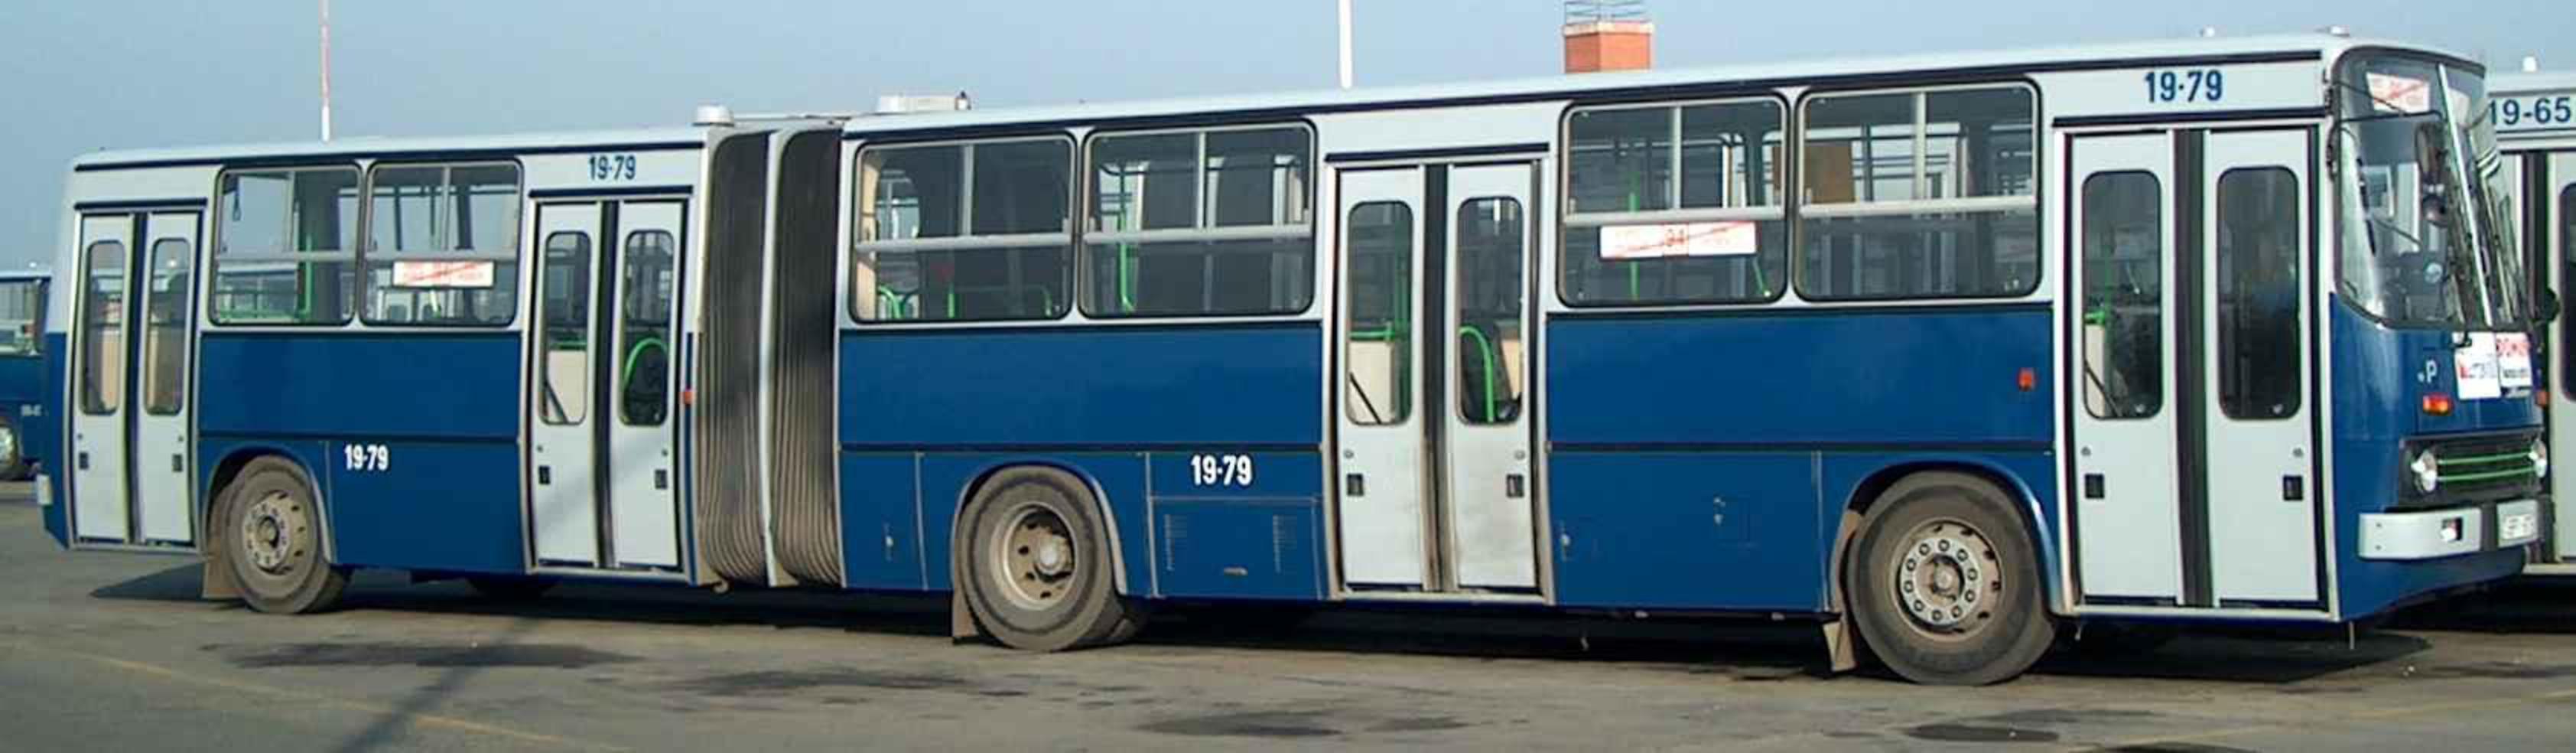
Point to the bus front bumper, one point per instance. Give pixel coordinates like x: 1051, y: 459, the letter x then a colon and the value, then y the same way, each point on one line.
x: 2448, y: 532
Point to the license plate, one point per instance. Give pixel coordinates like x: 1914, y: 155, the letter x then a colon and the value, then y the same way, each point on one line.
x: 2518, y: 527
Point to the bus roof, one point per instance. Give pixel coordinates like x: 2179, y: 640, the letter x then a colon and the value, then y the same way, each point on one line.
x: 2196, y: 50
x: 383, y: 147
x: 2519, y: 83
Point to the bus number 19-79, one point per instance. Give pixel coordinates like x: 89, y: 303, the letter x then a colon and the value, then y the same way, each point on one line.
x: 366, y: 457
x: 2206, y: 85
x: 1221, y: 470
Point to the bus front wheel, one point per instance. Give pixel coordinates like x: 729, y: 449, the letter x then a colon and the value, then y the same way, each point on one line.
x: 271, y: 534
x: 1037, y: 565
x: 1945, y: 583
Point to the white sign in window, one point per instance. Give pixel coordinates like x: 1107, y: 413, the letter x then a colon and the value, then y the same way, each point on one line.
x: 442, y: 274
x: 1680, y: 239
x: 2400, y: 94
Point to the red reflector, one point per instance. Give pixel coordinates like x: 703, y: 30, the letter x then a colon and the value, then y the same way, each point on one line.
x: 2540, y: 396
x: 2437, y: 404
x: 689, y: 396
x: 2029, y: 379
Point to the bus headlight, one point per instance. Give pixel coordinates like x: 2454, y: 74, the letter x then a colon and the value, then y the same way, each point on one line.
x: 2428, y: 471
x: 2539, y: 458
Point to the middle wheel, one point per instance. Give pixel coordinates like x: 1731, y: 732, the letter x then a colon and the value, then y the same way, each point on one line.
x: 1039, y: 574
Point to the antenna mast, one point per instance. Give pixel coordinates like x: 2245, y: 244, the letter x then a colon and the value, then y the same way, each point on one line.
x: 326, y: 70
x: 1346, y: 44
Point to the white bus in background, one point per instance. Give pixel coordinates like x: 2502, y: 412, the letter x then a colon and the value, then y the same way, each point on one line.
x: 2535, y: 119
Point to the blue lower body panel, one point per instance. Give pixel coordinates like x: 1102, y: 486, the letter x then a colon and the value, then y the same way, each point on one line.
x: 450, y: 507
x: 1239, y: 549
x: 1687, y: 530
x: 881, y: 521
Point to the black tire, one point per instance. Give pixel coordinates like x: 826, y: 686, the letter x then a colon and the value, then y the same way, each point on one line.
x: 510, y: 588
x: 1956, y: 542
x: 269, y: 528
x: 1037, y: 564
x: 13, y: 456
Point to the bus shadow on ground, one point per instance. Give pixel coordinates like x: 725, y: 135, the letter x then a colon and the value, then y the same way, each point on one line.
x: 2529, y: 606
x: 1746, y: 650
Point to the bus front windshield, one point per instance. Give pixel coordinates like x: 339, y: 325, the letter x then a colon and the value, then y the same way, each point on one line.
x: 2425, y: 227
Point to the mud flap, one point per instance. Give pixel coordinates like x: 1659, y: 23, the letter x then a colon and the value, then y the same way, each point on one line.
x: 1838, y: 646
x: 1841, y: 654
x: 218, y: 581
x: 961, y: 618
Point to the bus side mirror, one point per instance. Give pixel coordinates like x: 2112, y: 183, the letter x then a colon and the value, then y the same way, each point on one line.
x: 2547, y: 307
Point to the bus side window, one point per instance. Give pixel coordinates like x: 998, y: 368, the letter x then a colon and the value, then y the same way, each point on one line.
x: 1378, y: 351
x: 2258, y: 295
x: 565, y: 349
x: 643, y: 360
x: 165, y: 326
x: 2124, y: 300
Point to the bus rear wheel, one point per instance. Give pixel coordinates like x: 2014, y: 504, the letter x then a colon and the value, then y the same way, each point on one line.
x: 271, y: 533
x: 1944, y: 584
x: 1037, y: 565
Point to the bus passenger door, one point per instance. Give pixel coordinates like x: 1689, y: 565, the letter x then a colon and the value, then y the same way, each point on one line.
x: 642, y: 471
x: 562, y: 445
x: 162, y: 312
x: 1381, y: 451
x: 1486, y: 460
x: 2253, y: 327
x: 100, y: 511
x: 2126, y: 512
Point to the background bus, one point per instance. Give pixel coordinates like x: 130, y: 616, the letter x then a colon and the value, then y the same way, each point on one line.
x: 1939, y: 353
x: 26, y: 428
x: 2535, y: 120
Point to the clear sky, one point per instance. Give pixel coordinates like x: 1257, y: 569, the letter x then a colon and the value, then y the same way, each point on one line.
x: 82, y: 75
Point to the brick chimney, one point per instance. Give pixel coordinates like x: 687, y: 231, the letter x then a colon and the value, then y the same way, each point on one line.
x: 1593, y: 46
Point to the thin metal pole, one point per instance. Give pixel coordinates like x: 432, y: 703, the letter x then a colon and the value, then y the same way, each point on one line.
x: 326, y: 70
x: 1345, y: 42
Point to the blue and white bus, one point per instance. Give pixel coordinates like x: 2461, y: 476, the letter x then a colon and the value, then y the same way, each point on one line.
x: 2535, y: 122
x: 26, y: 436
x: 1948, y: 354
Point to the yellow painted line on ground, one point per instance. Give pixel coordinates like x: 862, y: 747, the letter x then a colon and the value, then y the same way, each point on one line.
x: 414, y: 718
x: 2382, y: 714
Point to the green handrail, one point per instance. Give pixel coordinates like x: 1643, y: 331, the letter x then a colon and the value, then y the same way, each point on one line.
x: 634, y: 357
x: 1486, y: 347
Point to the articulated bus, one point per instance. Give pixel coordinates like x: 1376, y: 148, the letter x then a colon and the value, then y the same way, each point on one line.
x: 26, y: 437
x: 2535, y: 122
x: 1949, y: 355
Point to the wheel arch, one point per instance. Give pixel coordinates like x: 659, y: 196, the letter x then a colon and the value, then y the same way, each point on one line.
x: 1856, y: 511
x: 957, y: 532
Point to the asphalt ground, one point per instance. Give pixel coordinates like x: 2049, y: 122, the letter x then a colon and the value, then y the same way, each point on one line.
x: 103, y: 651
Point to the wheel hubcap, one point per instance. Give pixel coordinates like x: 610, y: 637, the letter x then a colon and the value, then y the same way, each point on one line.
x: 8, y: 443
x: 272, y: 533
x: 1948, y: 578
x: 1034, y: 558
